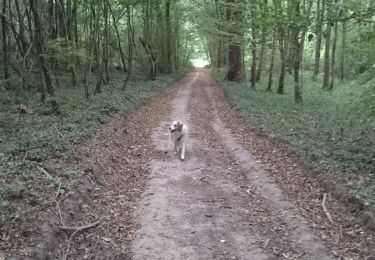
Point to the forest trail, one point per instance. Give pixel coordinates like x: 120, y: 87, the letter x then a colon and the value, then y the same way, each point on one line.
x: 238, y: 194
x: 219, y: 203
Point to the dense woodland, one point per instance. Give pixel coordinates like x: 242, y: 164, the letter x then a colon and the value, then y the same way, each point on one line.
x: 43, y: 39
x: 59, y: 58
x: 47, y: 39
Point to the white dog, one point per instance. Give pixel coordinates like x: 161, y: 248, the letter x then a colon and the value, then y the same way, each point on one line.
x: 178, y: 132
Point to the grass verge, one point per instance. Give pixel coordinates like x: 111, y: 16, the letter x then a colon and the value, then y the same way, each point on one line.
x: 334, y: 131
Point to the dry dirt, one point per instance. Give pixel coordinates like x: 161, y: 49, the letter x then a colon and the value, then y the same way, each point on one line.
x: 237, y: 195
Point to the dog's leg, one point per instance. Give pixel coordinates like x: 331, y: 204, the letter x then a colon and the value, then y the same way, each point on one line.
x: 183, y: 150
x: 175, y: 146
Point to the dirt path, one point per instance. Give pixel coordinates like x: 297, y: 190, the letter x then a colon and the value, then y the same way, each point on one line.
x: 238, y: 194
x: 219, y: 203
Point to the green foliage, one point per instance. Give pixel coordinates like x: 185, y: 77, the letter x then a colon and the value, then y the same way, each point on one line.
x: 66, y: 53
x: 331, y: 130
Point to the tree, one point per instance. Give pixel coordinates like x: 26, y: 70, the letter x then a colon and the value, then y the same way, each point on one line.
x: 40, y: 50
x: 235, y: 59
x: 327, y: 48
x: 5, y: 39
x: 320, y: 7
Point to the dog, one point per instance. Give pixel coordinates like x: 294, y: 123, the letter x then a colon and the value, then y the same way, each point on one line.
x: 178, y: 132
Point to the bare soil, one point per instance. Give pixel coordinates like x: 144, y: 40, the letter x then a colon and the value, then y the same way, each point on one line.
x: 237, y: 195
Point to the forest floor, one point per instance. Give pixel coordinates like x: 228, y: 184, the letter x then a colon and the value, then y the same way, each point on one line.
x: 238, y: 194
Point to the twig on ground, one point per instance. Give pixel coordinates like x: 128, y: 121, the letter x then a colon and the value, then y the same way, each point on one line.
x: 325, y: 208
x: 76, y: 231
x: 40, y: 168
x: 49, y: 176
x: 81, y: 228
x: 57, y: 202
x: 266, y: 243
x: 58, y: 132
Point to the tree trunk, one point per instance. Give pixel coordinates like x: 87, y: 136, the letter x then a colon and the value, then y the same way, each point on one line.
x: 261, y: 55
x: 270, y: 73
x: 253, y: 62
x: 280, y: 88
x: 122, y: 55
x: 343, y: 50
x: 253, y: 70
x: 5, y: 39
x: 264, y: 11
x: 74, y: 21
x: 29, y: 23
x: 320, y: 6
x: 69, y: 25
x: 327, y: 35
x: 168, y: 39
x: 333, y: 57
x: 39, y: 45
x: 51, y: 20
x: 297, y: 83
x: 130, y: 45
x: 60, y: 12
x: 98, y: 55
x: 219, y: 47
x: 282, y: 46
x: 234, y: 15
x: 148, y: 50
x: 106, y: 41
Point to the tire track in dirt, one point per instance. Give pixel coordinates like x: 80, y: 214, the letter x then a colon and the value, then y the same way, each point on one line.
x: 218, y: 204
x: 268, y: 189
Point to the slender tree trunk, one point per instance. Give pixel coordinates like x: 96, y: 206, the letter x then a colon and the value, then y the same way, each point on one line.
x: 234, y: 16
x: 333, y: 56
x: 253, y: 69
x: 51, y: 20
x: 343, y: 50
x: 282, y: 47
x: 60, y: 7
x: 122, y: 55
x: 168, y: 25
x: 98, y: 54
x: 69, y: 20
x: 219, y: 47
x: 176, y: 61
x: 130, y: 45
x: 254, y: 35
x: 264, y: 11
x: 147, y: 48
x: 298, y: 47
x: 74, y: 21
x: 5, y: 39
x: 39, y: 45
x: 106, y: 41
x: 327, y: 35
x: 270, y: 73
x: 320, y: 6
x: 297, y: 54
x: 280, y: 88
x: 29, y: 23
x: 261, y: 55
x: 289, y: 52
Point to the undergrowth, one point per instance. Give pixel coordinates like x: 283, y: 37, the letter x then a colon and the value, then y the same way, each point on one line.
x: 333, y: 130
x: 30, y: 142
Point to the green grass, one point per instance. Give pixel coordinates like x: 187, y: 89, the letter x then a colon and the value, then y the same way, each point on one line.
x: 40, y: 136
x: 334, y: 131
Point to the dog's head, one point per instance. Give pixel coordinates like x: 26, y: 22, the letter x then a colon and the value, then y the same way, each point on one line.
x: 176, y: 126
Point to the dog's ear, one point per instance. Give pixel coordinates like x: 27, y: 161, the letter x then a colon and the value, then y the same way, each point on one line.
x: 179, y: 125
